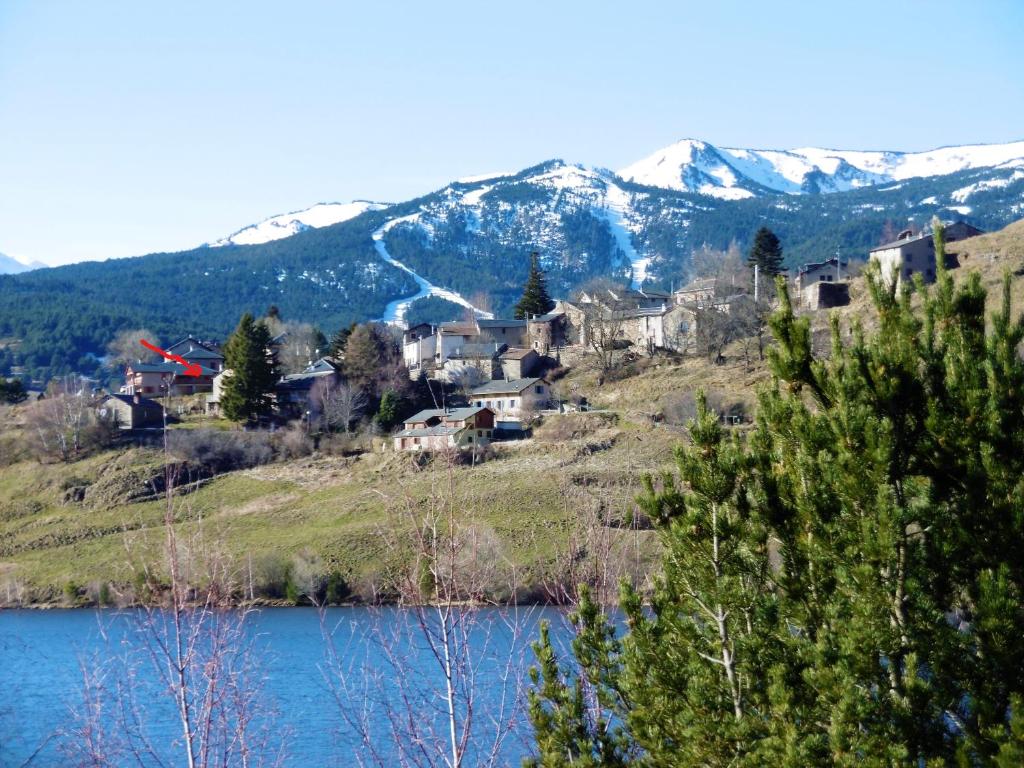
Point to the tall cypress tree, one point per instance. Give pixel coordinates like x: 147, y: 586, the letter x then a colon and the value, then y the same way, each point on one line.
x: 766, y: 252
x: 535, y: 300
x: 249, y: 388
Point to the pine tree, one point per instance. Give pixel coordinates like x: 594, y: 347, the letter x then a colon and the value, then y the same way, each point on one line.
x: 766, y: 252
x: 249, y: 387
x: 884, y: 625
x: 535, y: 299
x: 336, y: 348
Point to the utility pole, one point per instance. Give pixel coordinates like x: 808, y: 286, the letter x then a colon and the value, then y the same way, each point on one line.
x: 756, y: 281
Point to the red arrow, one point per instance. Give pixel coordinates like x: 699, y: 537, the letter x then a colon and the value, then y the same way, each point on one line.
x: 191, y: 369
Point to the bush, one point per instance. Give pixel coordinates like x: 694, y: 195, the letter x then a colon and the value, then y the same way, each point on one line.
x: 219, y: 451
x: 293, y: 442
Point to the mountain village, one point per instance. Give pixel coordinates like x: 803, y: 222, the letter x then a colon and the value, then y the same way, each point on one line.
x: 493, y: 373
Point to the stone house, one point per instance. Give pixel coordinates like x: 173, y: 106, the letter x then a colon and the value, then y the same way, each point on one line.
x: 510, y: 332
x: 911, y: 254
x: 698, y: 292
x: 518, y: 363
x: 472, y: 363
x: 130, y: 412
x: 511, y: 400
x: 545, y: 333
x: 440, y: 429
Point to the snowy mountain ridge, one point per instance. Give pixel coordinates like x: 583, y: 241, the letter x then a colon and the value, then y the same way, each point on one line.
x: 287, y: 224
x: 692, y: 165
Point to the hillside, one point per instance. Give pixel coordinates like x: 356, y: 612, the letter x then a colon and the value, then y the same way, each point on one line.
x: 533, y: 502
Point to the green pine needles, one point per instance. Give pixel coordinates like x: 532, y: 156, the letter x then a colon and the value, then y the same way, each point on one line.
x: 535, y: 300
x: 249, y: 387
x: 766, y: 252
x: 843, y: 585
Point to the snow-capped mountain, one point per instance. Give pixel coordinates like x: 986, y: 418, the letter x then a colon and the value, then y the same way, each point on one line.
x: 287, y: 224
x: 12, y: 266
x: 692, y: 165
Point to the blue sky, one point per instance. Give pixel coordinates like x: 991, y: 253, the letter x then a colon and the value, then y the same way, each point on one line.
x: 130, y: 127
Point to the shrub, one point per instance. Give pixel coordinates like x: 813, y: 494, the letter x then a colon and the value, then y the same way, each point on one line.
x: 293, y: 442
x: 219, y: 451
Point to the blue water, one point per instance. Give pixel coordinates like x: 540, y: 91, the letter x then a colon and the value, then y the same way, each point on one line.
x: 390, y: 685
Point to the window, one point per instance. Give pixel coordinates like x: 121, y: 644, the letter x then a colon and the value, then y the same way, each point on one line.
x: 907, y: 257
x: 488, y: 433
x: 415, y: 441
x: 539, y: 390
x: 479, y: 403
x: 479, y: 433
x: 512, y: 403
x: 469, y: 439
x: 908, y: 272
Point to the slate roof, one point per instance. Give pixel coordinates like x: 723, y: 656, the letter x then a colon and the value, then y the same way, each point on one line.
x: 176, y: 368
x: 455, y: 414
x: 478, y: 350
x: 460, y: 328
x: 816, y: 264
x: 195, y: 344
x: 500, y: 386
x: 501, y: 323
x: 547, y: 318
x: 440, y: 429
x: 130, y: 400
x: 898, y: 243
x: 515, y: 353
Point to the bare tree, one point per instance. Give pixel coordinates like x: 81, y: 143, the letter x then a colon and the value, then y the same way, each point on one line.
x: 417, y: 700
x: 301, y: 344
x: 338, y: 403
x: 125, y: 347
x: 603, y: 330
x: 184, y: 650
x: 60, y: 420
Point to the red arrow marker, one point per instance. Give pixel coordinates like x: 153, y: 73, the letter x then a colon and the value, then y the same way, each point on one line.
x: 191, y: 369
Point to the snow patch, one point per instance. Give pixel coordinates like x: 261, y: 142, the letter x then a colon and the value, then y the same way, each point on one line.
x: 395, y: 311
x: 288, y: 224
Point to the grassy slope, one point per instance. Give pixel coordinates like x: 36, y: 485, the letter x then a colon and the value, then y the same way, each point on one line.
x: 344, y: 508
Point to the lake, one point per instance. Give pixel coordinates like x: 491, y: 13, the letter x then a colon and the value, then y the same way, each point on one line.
x: 373, y: 695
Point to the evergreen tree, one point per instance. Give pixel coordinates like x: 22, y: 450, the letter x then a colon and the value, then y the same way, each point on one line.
x: 766, y: 252
x: 535, y: 299
x: 248, y: 389
x: 336, y: 349
x: 389, y: 413
x: 12, y: 391
x: 884, y: 625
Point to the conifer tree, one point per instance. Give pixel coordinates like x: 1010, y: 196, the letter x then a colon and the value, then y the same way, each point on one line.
x: 249, y: 387
x: 766, y: 252
x: 535, y: 299
x: 336, y: 348
x: 885, y: 623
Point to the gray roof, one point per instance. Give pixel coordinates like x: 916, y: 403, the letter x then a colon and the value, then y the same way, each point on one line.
x: 546, y: 318
x: 130, y: 400
x: 500, y: 386
x: 478, y: 350
x: 176, y: 368
x: 904, y: 241
x: 454, y: 414
x: 501, y: 323
x: 430, y: 431
x: 516, y: 353
x: 816, y: 264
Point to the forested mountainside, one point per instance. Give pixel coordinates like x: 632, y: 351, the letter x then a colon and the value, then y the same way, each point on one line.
x: 470, y: 237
